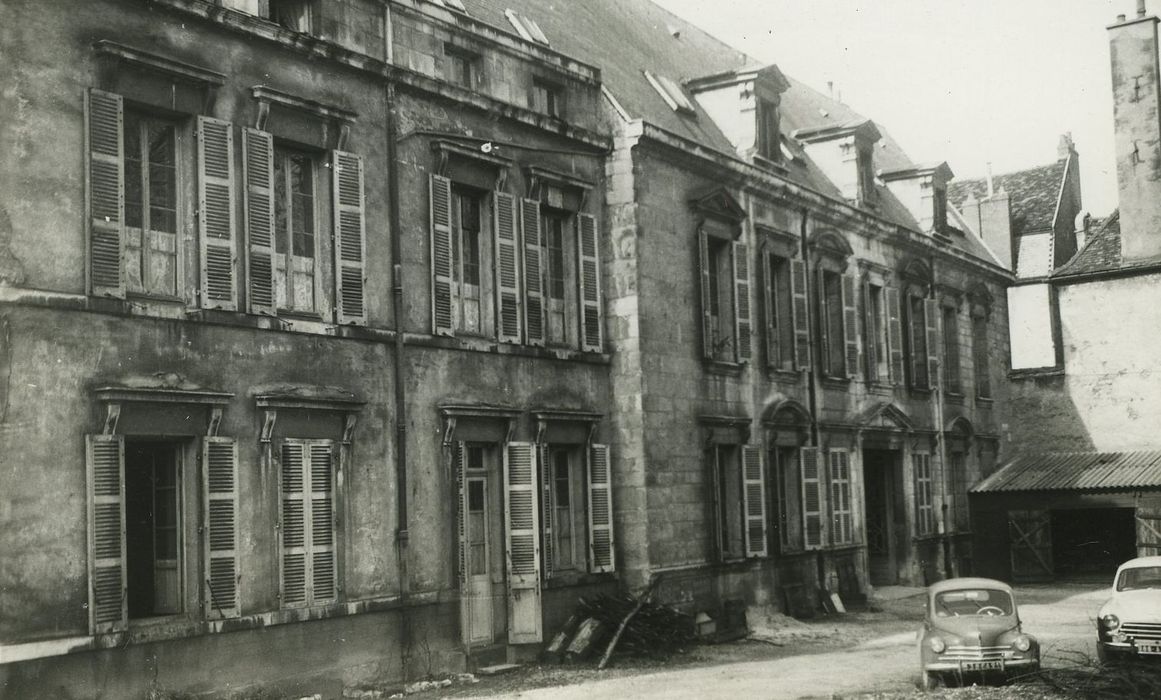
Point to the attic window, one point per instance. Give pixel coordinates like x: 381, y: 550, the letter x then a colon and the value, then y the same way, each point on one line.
x: 672, y: 93
x: 526, y: 27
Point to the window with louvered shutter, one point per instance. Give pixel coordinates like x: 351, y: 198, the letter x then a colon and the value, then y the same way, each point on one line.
x: 931, y: 336
x: 547, y: 476
x: 442, y: 284
x: 350, y: 238
x: 743, y: 325
x: 850, y: 325
x: 779, y: 316
x: 840, y: 496
x: 459, y: 460
x: 924, y: 505
x: 521, y: 516
x: 754, y: 483
x: 105, y: 151
x: 811, y: 497
x: 258, y: 173
x: 108, y: 587
x: 875, y: 343
x: 309, y: 564
x: 895, y: 335
x: 216, y: 224
x: 801, y: 315
x: 589, y: 277
x: 600, y: 488
x: 220, y: 525
x: 952, y: 381
x: 533, y: 272
x: 507, y: 273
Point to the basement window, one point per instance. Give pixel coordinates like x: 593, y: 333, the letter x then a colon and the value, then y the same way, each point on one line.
x: 672, y: 93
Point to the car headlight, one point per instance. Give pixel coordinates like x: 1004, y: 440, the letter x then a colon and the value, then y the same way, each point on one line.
x: 1022, y: 643
x: 1110, y: 622
x: 937, y: 644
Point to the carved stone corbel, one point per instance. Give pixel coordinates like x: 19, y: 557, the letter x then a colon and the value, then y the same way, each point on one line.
x: 349, y: 422
x: 112, y: 415
x: 449, y: 430
x: 268, y: 422
x: 263, y: 115
x: 215, y: 421
x: 541, y: 431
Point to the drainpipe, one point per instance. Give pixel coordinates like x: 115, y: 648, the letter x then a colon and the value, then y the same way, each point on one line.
x: 812, y: 385
x: 938, y: 396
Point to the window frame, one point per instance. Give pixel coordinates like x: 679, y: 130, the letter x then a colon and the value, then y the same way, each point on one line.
x: 481, y: 201
x: 310, y: 552
x: 876, y: 334
x: 981, y: 360
x: 145, y: 232
x: 463, y: 67
x: 281, y: 158
x: 548, y: 98
x: 952, y: 363
x: 306, y: 21
x: 767, y: 128
x: 839, y: 481
x: 924, y: 478
x: 728, y: 477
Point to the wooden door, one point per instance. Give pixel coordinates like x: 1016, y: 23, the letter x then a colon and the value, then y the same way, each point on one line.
x: 1030, y: 542
x: 1148, y: 531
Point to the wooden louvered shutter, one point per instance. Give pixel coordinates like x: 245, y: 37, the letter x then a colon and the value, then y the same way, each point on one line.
x: 442, y: 282
x: 871, y: 335
x: 850, y: 325
x: 931, y: 321
x: 258, y: 174
x: 546, y: 501
x: 323, y: 564
x: 590, y: 284
x: 601, y: 536
x: 894, y: 335
x: 460, y: 462
x: 105, y: 148
x: 707, y: 326
x: 216, y: 213
x: 743, y: 324
x: 523, y: 550
x: 507, y: 269
x: 533, y: 272
x: 105, y: 462
x: 293, y: 525
x: 811, y: 497
x: 801, y: 312
x: 220, y: 525
x: 754, y: 475
x: 350, y: 230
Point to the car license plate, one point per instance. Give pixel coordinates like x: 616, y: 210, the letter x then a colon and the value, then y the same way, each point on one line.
x: 1149, y: 649
x: 983, y: 665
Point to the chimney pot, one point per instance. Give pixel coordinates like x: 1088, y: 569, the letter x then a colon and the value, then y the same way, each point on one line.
x: 991, y: 184
x: 1140, y: 8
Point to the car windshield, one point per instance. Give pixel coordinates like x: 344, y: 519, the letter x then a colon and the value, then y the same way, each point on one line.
x: 1139, y: 577
x: 973, y: 601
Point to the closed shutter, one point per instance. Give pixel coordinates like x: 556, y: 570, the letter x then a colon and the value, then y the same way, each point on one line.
x: 216, y: 213
x: 769, y: 297
x: 309, y: 566
x: 590, y: 284
x: 546, y: 501
x: 894, y: 335
x: 743, y: 324
x: 507, y: 269
x: 840, y: 495
x: 931, y: 321
x: 533, y: 272
x: 258, y: 173
x: 293, y: 522
x: 220, y: 525
x: 871, y: 335
x: 442, y: 282
x: 801, y: 312
x: 105, y: 462
x: 754, y: 474
x: 601, y: 557
x: 460, y: 460
x: 105, y: 149
x: 350, y: 230
x: 850, y: 325
x: 523, y: 552
x: 811, y: 497
x: 707, y: 326
x: 323, y: 564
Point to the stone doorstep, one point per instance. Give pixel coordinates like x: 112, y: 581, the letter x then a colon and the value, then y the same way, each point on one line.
x: 497, y: 669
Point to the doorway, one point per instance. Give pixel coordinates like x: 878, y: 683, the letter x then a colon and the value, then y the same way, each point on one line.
x: 882, y: 470
x: 483, y: 605
x: 153, y: 526
x: 1092, y: 542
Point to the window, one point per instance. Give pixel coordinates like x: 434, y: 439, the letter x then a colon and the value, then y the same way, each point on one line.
x: 876, y: 335
x: 295, y: 242
x: 567, y: 507
x: 292, y: 14
x: 918, y: 335
x: 547, y: 98
x: 307, y: 527
x: 866, y: 176
x: 939, y: 214
x: 725, y: 292
x: 951, y: 366
x: 980, y: 356
x: 769, y: 138
x: 461, y: 67
x: 840, y: 496
x: 153, y: 529
x: 831, y: 323
x: 788, y: 497
x: 924, y: 504
x: 958, y: 486
x: 559, y: 277
x: 576, y: 508
x: 780, y: 330
x: 728, y: 498
x: 466, y: 227
x: 151, y: 205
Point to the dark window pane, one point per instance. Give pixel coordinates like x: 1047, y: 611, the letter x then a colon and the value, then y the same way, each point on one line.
x: 281, y: 215
x: 475, y: 496
x: 554, y: 230
x: 134, y: 196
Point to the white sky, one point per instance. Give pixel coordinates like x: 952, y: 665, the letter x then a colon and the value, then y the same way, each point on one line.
x: 966, y: 81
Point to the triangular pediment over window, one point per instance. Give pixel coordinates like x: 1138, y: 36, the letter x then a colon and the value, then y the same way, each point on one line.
x: 718, y: 203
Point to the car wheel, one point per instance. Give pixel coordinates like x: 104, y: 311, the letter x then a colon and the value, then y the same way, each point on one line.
x: 931, y: 681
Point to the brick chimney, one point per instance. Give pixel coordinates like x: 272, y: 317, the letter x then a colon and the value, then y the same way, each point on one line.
x: 1137, y: 126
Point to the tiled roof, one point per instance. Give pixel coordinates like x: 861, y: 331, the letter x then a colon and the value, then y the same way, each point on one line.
x: 1076, y: 471
x: 1101, y: 252
x: 1032, y: 194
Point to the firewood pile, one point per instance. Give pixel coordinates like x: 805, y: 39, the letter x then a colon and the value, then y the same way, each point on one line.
x: 622, y: 624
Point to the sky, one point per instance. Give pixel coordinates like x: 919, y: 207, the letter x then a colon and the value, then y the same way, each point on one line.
x: 963, y: 81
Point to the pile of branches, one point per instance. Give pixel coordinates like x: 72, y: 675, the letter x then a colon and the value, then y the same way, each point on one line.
x: 1086, y: 678
x: 649, y: 629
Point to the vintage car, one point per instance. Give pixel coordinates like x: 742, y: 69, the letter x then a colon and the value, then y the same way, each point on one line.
x: 972, y: 631
x: 1129, y: 624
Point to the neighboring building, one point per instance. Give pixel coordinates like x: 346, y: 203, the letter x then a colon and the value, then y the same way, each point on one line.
x: 1084, y: 490
x: 346, y: 341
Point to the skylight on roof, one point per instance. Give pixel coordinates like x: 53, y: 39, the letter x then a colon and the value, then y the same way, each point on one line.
x: 526, y: 27
x: 673, y: 94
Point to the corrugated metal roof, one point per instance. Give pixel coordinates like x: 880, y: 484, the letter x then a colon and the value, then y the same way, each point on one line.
x: 1076, y: 471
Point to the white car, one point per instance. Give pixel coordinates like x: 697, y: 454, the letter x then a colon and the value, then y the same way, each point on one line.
x: 1129, y: 624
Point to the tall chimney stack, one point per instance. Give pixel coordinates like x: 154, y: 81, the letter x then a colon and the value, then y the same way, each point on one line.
x: 1137, y: 125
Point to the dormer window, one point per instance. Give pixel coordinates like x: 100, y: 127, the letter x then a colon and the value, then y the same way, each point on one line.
x: 526, y: 27
x: 769, y: 140
x: 866, y: 171
x: 939, y: 214
x: 672, y: 93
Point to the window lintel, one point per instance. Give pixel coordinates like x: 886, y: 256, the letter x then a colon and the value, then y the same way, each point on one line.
x: 184, y: 72
x: 725, y: 429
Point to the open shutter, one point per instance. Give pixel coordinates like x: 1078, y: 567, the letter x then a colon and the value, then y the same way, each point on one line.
x: 323, y: 566
x: 507, y: 269
x: 216, y: 213
x: 533, y: 273
x: 773, y: 352
x: 743, y: 325
x: 442, y: 284
x: 523, y: 550
x: 801, y: 311
x: 894, y: 335
x: 590, y: 283
x: 811, y: 497
x: 600, y: 510
x: 350, y: 231
x: 258, y: 173
x: 460, y: 461
x: 870, y: 335
x: 546, y: 549
x: 220, y: 525
x: 293, y: 521
x: 850, y: 325
x: 931, y: 321
x: 105, y: 462
x: 703, y: 265
x: 754, y: 474
x: 105, y: 147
